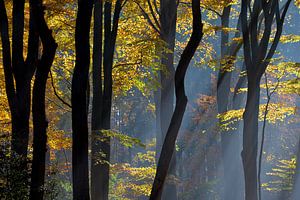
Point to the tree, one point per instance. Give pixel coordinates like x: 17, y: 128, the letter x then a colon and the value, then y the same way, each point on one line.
x: 229, y: 142
x: 97, y: 100
x: 79, y: 102
x: 168, y: 19
x: 38, y: 101
x: 18, y: 75
x: 181, y: 102
x: 165, y: 26
x: 257, y: 55
x: 103, y: 97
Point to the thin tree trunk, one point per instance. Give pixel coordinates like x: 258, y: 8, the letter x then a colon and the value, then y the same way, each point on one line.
x: 223, y: 92
x: 110, y: 36
x: 79, y: 102
x: 181, y: 102
x: 97, y: 101
x: 229, y: 139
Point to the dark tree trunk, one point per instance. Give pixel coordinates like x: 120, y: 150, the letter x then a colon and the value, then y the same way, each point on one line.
x: 181, y: 101
x: 250, y: 140
x: 18, y: 75
x: 104, y: 144
x: 168, y: 32
x: 258, y: 53
x: 97, y: 102
x: 79, y: 102
x: 38, y: 103
x: 20, y: 121
x: 110, y: 36
x: 168, y: 18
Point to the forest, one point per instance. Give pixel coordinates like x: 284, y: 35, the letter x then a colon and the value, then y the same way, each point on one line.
x: 149, y: 99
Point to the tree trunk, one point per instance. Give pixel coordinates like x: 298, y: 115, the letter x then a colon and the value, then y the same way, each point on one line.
x: 181, y: 101
x: 223, y: 92
x: 18, y: 76
x: 159, y: 140
x: 38, y: 103
x: 79, y: 102
x: 235, y: 144
x: 20, y: 121
x: 258, y: 53
x: 110, y: 36
x: 168, y: 18
x: 229, y: 139
x: 250, y: 138
x: 97, y: 101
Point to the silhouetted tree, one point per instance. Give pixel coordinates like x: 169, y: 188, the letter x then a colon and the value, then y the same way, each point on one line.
x: 18, y: 75
x: 97, y: 100
x: 257, y: 54
x: 181, y: 102
x: 40, y: 122
x: 103, y: 97
x: 168, y: 19
x: 80, y: 142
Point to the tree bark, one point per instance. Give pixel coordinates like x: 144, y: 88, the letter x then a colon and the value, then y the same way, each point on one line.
x: 80, y: 170
x: 181, y: 102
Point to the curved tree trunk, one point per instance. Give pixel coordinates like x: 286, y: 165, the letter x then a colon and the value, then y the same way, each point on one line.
x: 181, y: 102
x: 38, y: 103
x: 168, y: 19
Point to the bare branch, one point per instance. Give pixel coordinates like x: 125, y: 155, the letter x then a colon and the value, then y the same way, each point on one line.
x: 146, y: 16
x: 56, y: 93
